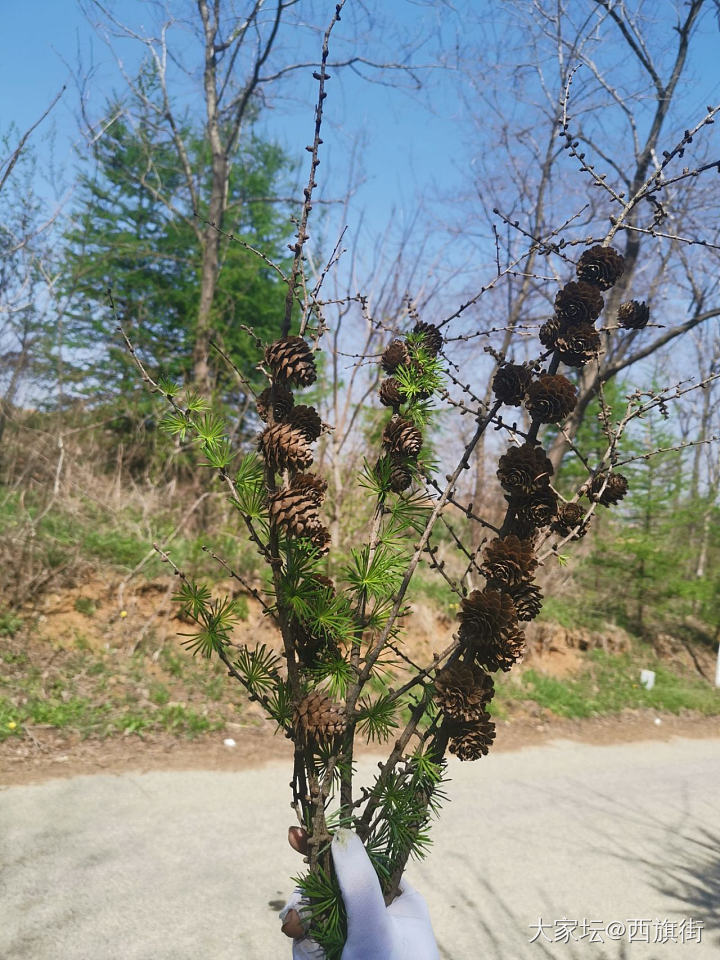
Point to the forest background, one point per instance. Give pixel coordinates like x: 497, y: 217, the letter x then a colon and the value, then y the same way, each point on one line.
x: 441, y: 172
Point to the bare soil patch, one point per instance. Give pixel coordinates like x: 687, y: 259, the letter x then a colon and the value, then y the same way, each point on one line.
x: 49, y: 754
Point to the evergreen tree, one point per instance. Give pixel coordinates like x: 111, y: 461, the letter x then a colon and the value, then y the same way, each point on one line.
x: 136, y: 238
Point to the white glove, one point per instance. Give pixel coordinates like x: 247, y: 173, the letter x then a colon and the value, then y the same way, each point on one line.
x: 401, y: 931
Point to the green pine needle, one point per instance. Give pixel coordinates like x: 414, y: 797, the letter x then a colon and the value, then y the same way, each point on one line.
x: 376, y: 719
x: 280, y: 705
x: 211, y: 430
x: 258, y: 667
x: 176, y: 424
x: 375, y: 574
x: 194, y: 598
x: 338, y: 672
x: 195, y: 402
x: 167, y: 386
x: 218, y: 454
x: 328, y: 922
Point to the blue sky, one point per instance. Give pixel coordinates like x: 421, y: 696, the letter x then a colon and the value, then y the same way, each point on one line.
x: 408, y: 145
x: 403, y: 144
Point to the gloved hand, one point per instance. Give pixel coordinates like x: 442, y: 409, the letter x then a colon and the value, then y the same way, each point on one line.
x: 401, y: 931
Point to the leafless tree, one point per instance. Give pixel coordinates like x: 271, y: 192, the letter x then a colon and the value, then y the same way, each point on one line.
x: 601, y: 90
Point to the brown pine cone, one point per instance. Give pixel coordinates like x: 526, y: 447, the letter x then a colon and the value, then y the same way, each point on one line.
x: 307, y: 420
x: 309, y: 645
x: 601, y: 266
x: 470, y: 741
x: 549, y: 332
x: 283, y: 446
x: 324, y: 582
x: 321, y: 541
x: 510, y: 383
x: 281, y: 406
x: 484, y: 615
x: 614, y: 491
x: 295, y: 513
x: 462, y: 690
x: 391, y: 394
x: 500, y: 652
x: 432, y: 339
x: 509, y: 561
x: 521, y: 527
x: 570, y: 516
x: 400, y: 474
x: 524, y: 469
x: 539, y: 508
x: 318, y: 717
x: 578, y: 344
x: 528, y: 599
x: 310, y: 485
x: 395, y: 356
x: 291, y: 361
x: 633, y: 315
x: 578, y: 303
x: 403, y: 438
x: 550, y: 398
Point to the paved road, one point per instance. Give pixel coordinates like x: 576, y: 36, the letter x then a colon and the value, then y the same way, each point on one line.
x: 177, y: 866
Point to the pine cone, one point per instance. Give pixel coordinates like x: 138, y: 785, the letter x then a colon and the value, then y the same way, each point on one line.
x: 578, y: 303
x: 484, y: 615
x: 615, y: 490
x: 307, y: 421
x: 403, y: 438
x: 321, y: 541
x: 470, y: 741
x: 318, y: 717
x: 528, y: 599
x: 633, y: 315
x: 432, y: 339
x: 549, y: 332
x: 578, y: 344
x: 462, y: 690
x: 521, y: 526
x: 296, y: 513
x: 601, y: 266
x: 524, y: 469
x: 324, y: 582
x: 569, y: 516
x: 509, y: 561
x: 310, y: 485
x: 309, y: 645
x: 400, y: 474
x: 550, y: 398
x: 282, y: 406
x: 502, y: 652
x: 395, y: 356
x: 390, y: 393
x: 539, y: 509
x: 283, y: 446
x: 291, y: 361
x: 510, y: 383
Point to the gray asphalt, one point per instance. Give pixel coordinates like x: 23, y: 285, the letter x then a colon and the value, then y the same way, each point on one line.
x: 193, y: 866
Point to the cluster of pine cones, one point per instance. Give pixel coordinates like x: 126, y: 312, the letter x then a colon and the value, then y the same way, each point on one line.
x: 401, y: 438
x: 286, y: 442
x: 490, y: 632
x: 491, y: 639
x: 294, y: 508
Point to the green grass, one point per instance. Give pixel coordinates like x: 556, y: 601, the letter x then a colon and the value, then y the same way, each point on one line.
x: 609, y: 683
x: 89, y: 718
x: 122, y: 539
x: 10, y: 623
x: 91, y: 693
x: 572, y: 613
